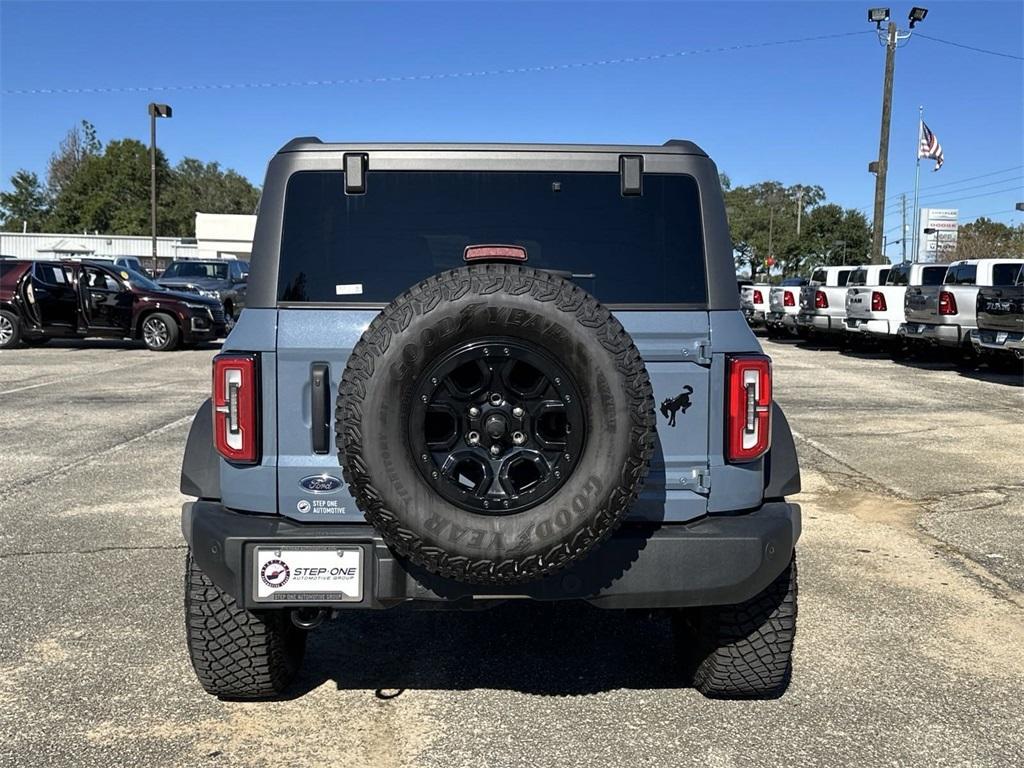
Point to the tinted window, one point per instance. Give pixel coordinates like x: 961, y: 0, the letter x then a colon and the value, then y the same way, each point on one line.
x: 858, y: 277
x: 1004, y: 274
x: 883, y: 275
x: 843, y: 277
x: 962, y: 274
x: 818, y: 276
x: 99, y: 280
x: 198, y: 269
x: 932, y: 275
x: 898, y: 276
x: 410, y: 225
x: 54, y: 274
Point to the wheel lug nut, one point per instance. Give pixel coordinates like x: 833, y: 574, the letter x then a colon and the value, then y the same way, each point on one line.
x: 496, y: 398
x: 518, y: 438
x: 518, y: 412
x: 495, y: 449
x: 473, y: 438
x: 474, y: 411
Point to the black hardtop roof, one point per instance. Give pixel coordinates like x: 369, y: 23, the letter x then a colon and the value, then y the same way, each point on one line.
x: 314, y: 144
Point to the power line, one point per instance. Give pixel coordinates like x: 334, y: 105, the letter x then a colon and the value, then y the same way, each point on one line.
x: 957, y: 182
x: 969, y: 47
x: 971, y: 197
x: 434, y: 76
x: 960, y: 189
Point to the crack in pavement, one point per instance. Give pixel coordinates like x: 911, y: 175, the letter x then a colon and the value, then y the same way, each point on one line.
x: 49, y: 473
x: 98, y: 550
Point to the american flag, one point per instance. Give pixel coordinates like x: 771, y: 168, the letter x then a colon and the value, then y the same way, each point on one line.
x: 930, y: 146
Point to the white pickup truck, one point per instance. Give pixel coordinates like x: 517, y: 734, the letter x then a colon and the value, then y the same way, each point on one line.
x: 823, y: 301
x: 946, y: 314
x: 876, y: 311
x: 784, y: 306
x: 754, y: 302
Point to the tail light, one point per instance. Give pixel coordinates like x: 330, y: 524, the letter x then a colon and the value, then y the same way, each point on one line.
x: 758, y: 297
x: 877, y: 301
x: 820, y: 300
x: 788, y: 300
x: 748, y: 425
x: 236, y: 408
x: 947, y: 303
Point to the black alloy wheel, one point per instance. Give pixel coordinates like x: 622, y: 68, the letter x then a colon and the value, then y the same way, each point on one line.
x: 496, y: 426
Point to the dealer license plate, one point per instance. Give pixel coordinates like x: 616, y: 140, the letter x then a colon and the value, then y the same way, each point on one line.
x: 308, y: 574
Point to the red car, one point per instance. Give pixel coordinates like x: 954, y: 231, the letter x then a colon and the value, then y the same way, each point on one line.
x: 42, y: 300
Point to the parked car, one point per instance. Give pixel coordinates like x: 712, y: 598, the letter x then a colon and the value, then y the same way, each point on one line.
x: 1000, y: 318
x: 823, y: 301
x: 484, y: 436
x: 876, y: 311
x: 784, y: 305
x: 221, y: 279
x: 859, y: 287
x: 42, y: 300
x: 944, y: 315
x: 754, y: 302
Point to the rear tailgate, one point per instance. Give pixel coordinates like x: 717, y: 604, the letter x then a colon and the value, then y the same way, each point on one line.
x: 858, y: 303
x: 922, y: 303
x: 1001, y: 308
x: 314, y: 343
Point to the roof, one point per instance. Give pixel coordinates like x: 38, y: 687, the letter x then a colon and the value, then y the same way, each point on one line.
x: 670, y: 147
x: 65, y: 245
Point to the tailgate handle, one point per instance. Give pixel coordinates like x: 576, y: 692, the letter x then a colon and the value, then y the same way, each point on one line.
x: 320, y: 391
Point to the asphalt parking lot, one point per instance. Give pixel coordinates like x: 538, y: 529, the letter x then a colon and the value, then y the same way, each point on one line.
x: 910, y: 648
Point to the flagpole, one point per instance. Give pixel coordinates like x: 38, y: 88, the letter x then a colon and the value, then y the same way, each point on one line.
x: 917, y: 184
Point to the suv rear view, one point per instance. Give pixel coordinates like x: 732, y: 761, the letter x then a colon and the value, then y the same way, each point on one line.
x: 473, y: 373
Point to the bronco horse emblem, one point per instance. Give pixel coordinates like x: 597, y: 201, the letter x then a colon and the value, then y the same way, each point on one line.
x: 671, y: 406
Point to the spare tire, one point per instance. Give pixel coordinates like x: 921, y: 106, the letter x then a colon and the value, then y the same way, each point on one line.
x: 495, y: 423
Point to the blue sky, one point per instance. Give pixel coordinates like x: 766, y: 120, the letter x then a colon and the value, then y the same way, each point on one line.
x: 805, y: 112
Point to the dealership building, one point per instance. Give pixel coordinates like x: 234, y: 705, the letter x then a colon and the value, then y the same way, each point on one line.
x: 218, y: 236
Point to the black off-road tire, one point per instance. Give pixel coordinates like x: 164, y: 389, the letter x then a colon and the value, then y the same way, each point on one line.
x: 12, y: 330
x: 238, y: 654
x: 465, y: 306
x: 743, y: 651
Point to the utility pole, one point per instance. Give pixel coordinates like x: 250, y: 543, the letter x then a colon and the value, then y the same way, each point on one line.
x: 903, y: 237
x: 883, y: 145
x: 771, y: 232
x: 880, y: 167
x: 799, y: 210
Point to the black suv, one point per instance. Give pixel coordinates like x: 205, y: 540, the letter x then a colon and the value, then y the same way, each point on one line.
x: 468, y: 374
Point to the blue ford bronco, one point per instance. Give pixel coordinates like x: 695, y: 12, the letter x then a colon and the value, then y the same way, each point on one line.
x: 468, y: 374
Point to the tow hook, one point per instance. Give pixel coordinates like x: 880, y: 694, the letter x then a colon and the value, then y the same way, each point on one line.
x: 308, y: 618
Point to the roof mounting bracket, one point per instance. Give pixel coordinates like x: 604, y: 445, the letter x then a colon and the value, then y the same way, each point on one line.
x: 631, y: 175
x: 355, y: 172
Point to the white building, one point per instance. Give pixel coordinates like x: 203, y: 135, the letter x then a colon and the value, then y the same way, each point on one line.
x: 218, y: 236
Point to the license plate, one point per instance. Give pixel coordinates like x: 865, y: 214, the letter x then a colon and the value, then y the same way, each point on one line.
x: 308, y: 574
x: 1001, y: 337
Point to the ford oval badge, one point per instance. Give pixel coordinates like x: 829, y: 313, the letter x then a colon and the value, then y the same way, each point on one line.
x: 320, y: 483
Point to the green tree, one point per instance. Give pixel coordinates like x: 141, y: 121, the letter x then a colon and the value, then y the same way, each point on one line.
x: 110, y: 193
x: 835, y: 235
x: 26, y: 205
x: 763, y: 221
x: 198, y: 186
x: 78, y: 144
x: 985, y: 238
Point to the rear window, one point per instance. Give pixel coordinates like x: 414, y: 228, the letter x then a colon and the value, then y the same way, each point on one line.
x: 898, y: 276
x: 962, y: 274
x: 217, y: 270
x: 857, y: 277
x: 646, y: 249
x: 1004, y: 274
x: 842, y: 278
x: 932, y: 275
x: 818, y: 276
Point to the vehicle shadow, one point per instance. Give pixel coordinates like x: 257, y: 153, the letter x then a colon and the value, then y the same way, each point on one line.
x: 548, y: 649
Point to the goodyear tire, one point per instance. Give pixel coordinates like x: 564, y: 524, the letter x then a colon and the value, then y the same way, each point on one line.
x: 478, y: 525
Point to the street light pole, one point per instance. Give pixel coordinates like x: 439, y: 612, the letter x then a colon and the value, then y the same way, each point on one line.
x: 155, y: 111
x: 883, y: 144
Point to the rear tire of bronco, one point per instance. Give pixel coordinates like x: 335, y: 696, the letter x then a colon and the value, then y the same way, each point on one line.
x: 544, y: 428
x: 238, y: 654
x: 743, y: 651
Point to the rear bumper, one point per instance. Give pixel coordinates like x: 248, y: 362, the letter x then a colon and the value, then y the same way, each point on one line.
x: 863, y: 325
x: 718, y: 560
x: 781, y: 319
x: 1005, y: 341
x: 754, y: 316
x: 818, y: 322
x: 943, y: 335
